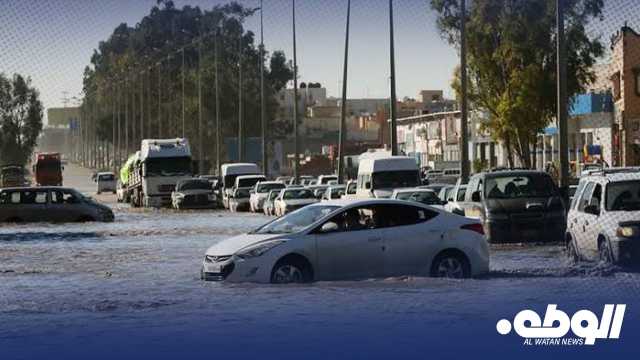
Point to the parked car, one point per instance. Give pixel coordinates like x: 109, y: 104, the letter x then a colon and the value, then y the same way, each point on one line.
x: 350, y: 190
x: 106, y: 182
x: 455, y: 197
x: 604, y: 219
x: 291, y: 199
x: 445, y: 192
x: 260, y: 192
x: 13, y: 176
x: 325, y: 179
x: 239, y: 199
x: 352, y: 239
x: 318, y: 190
x: 378, y: 177
x: 267, y: 207
x: 423, y: 196
x: 50, y: 204
x: 193, y: 193
x: 334, y: 192
x: 516, y: 206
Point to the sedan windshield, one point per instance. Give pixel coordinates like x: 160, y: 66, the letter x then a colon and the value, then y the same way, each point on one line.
x: 194, y: 185
x: 298, y: 194
x: 250, y: 182
x: 168, y: 166
x: 297, y: 220
x: 265, y: 188
x: 519, y: 186
x: 623, y: 196
x: 395, y: 179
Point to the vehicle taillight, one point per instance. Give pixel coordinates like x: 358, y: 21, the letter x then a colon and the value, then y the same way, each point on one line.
x: 473, y: 227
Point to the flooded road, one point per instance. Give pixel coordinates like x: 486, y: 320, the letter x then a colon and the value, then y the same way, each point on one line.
x: 135, y: 282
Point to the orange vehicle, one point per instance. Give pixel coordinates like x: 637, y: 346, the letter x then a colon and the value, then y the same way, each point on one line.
x: 47, y: 169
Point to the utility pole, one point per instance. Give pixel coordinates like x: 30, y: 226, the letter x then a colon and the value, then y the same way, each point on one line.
x: 200, y: 127
x: 464, y: 133
x: 240, y: 104
x: 149, y: 101
x: 183, y: 104
x: 142, y: 104
x: 119, y: 130
x: 343, y: 115
x: 263, y: 118
x: 133, y: 113
x: 159, y: 99
x: 217, y: 85
x: 394, y: 100
x: 295, y: 98
x: 114, y: 104
x: 126, y: 116
x: 562, y: 97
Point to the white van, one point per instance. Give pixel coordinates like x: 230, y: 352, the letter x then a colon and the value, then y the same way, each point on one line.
x: 378, y: 177
x: 229, y: 173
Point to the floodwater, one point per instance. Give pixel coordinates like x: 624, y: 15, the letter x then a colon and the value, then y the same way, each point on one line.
x: 132, y: 288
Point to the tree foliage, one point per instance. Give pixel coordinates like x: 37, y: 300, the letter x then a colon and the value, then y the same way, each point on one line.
x: 511, y: 56
x: 20, y: 119
x: 147, y: 59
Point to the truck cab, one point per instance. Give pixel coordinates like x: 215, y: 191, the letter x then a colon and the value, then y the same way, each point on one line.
x: 162, y: 163
x: 229, y: 173
x: 47, y: 169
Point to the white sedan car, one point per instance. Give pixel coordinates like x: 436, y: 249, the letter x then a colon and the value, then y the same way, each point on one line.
x: 292, y: 198
x: 260, y: 193
x: 357, y: 239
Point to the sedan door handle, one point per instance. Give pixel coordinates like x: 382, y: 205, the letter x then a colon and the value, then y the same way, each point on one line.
x: 375, y: 239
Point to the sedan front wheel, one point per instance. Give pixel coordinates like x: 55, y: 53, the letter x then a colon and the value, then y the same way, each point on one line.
x: 451, y: 265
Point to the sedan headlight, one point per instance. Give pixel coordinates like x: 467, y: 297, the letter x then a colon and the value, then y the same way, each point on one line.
x: 258, y: 249
x: 627, y: 231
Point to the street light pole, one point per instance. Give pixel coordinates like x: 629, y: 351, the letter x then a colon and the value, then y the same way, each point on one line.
x: 464, y: 133
x: 200, y: 127
x: 562, y: 97
x: 217, y: 74
x: 183, y: 103
x: 343, y: 113
x: 263, y: 118
x: 392, y: 62
x: 240, y: 104
x: 295, y: 97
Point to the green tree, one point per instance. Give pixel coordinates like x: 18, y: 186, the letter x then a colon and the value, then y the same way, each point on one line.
x: 158, y: 38
x: 511, y: 57
x: 20, y: 119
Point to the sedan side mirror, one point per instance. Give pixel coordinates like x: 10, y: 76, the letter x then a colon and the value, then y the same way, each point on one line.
x: 592, y: 209
x: 367, y: 185
x: 329, y: 227
x: 475, y: 196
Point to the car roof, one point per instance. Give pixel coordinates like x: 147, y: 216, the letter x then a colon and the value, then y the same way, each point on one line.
x: 413, y: 190
x: 613, y: 177
x: 362, y: 202
x: 510, y: 172
x: 36, y: 188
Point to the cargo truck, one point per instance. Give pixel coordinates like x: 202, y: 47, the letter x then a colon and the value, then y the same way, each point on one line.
x: 150, y: 175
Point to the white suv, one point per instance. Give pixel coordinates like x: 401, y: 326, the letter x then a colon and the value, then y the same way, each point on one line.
x: 604, y: 218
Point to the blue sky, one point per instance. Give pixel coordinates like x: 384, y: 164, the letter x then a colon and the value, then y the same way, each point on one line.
x: 52, y: 40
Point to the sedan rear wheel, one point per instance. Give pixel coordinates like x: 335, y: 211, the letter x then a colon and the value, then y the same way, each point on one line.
x: 451, y: 265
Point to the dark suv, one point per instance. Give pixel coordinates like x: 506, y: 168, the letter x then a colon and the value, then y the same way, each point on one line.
x: 516, y: 206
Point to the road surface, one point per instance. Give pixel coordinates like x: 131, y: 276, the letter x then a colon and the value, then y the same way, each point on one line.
x: 131, y: 289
